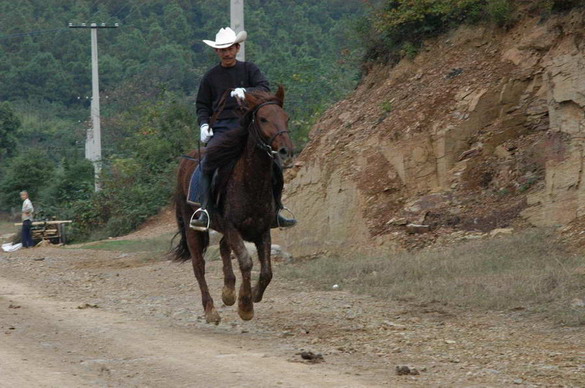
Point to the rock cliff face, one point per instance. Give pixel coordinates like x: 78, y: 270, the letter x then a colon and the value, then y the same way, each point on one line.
x: 484, y: 129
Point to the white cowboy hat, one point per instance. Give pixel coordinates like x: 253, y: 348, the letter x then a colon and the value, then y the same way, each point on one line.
x: 226, y: 37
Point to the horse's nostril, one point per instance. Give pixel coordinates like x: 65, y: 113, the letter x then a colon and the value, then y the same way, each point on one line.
x: 283, y: 151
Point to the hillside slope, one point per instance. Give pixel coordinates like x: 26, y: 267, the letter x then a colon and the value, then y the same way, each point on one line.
x: 482, y: 130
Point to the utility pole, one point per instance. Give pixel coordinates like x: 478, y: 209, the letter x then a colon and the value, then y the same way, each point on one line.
x: 93, y: 142
x: 237, y: 24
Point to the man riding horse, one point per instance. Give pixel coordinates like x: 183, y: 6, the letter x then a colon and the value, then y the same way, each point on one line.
x: 216, y: 109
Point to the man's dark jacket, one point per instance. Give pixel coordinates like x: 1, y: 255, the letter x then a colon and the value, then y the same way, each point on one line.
x: 219, y: 79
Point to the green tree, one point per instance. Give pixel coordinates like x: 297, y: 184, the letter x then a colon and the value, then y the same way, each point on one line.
x: 30, y: 171
x: 9, y: 125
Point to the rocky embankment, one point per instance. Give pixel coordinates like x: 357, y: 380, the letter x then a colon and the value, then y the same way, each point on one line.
x: 483, y: 130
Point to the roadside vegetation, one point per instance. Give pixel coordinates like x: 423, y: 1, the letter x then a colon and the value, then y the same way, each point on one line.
x: 397, y: 28
x: 7, y: 227
x: 525, y: 272
x: 156, y: 245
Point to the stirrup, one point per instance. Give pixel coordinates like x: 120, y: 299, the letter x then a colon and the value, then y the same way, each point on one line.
x: 287, y: 210
x: 199, y: 228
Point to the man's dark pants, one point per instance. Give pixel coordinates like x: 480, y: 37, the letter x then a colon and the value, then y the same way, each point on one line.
x: 220, y: 130
x: 27, y: 240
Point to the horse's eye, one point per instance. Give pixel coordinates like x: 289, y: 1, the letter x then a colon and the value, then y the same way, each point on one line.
x: 262, y: 119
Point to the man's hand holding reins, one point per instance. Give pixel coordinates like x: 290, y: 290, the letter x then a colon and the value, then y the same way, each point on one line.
x: 239, y: 93
x: 206, y: 133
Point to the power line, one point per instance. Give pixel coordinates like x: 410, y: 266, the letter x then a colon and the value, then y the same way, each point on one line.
x: 29, y: 33
x: 93, y: 4
x: 127, y: 6
x: 134, y: 8
x: 40, y: 32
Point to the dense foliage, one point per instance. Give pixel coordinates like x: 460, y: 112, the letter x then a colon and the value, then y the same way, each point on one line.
x: 9, y: 125
x: 150, y: 69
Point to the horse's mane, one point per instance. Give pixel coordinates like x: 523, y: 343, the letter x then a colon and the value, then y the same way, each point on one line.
x: 227, y: 151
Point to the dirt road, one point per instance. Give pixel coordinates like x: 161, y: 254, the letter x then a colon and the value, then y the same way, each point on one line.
x: 80, y: 317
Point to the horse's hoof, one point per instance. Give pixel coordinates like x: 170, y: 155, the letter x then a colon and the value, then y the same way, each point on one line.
x: 228, y: 296
x: 256, y: 295
x: 246, y: 315
x: 212, y: 316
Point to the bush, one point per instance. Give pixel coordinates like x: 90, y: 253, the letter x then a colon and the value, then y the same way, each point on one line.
x: 73, y: 180
x: 502, y: 12
x: 9, y: 124
x: 564, y: 5
x: 399, y: 27
x: 31, y: 171
x: 137, y: 184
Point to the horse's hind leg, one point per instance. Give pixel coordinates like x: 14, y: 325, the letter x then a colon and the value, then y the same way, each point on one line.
x: 263, y: 246
x: 228, y: 294
x: 245, y: 305
x: 195, y: 241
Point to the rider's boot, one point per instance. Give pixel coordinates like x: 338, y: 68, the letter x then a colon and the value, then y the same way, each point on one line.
x: 279, y: 221
x: 201, y: 223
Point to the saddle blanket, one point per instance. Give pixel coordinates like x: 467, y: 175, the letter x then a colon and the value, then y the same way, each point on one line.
x: 195, y: 193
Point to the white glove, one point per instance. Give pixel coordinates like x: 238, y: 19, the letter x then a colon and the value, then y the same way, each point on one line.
x: 239, y: 93
x: 205, y: 133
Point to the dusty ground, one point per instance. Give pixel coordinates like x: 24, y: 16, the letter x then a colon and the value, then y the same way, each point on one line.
x: 81, y: 317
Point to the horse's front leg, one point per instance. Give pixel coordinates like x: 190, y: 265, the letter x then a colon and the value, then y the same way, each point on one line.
x: 236, y: 243
x: 195, y: 243
x: 263, y: 246
x: 228, y: 294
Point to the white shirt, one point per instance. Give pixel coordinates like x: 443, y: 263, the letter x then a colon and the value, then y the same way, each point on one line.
x: 27, y: 208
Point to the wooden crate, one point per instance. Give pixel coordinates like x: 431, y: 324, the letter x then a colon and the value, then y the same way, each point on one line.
x: 53, y: 231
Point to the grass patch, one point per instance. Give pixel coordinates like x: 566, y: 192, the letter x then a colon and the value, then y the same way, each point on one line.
x: 159, y: 244
x: 528, y: 270
x: 386, y: 106
x: 156, y: 245
x: 7, y: 227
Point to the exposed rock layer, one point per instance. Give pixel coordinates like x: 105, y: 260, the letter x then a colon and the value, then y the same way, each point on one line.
x: 484, y: 129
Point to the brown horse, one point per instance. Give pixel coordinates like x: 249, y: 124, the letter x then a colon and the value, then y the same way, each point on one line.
x: 245, y: 207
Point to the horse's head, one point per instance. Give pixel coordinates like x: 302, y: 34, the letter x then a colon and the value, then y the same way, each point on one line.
x: 269, y: 124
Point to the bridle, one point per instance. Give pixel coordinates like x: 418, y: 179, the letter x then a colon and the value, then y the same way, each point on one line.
x: 254, y: 128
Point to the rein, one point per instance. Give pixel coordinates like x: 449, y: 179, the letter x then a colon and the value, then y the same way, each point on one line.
x: 253, y: 128
x: 261, y: 143
x: 220, y: 108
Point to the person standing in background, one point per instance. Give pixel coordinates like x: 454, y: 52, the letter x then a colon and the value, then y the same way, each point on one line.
x: 27, y: 217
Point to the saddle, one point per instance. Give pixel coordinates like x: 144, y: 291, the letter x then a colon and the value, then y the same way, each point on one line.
x: 219, y: 181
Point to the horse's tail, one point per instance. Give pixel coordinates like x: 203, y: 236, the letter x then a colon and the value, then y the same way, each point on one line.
x: 180, y: 252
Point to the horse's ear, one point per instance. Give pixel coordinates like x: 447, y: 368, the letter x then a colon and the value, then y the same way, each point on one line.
x: 280, y: 94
